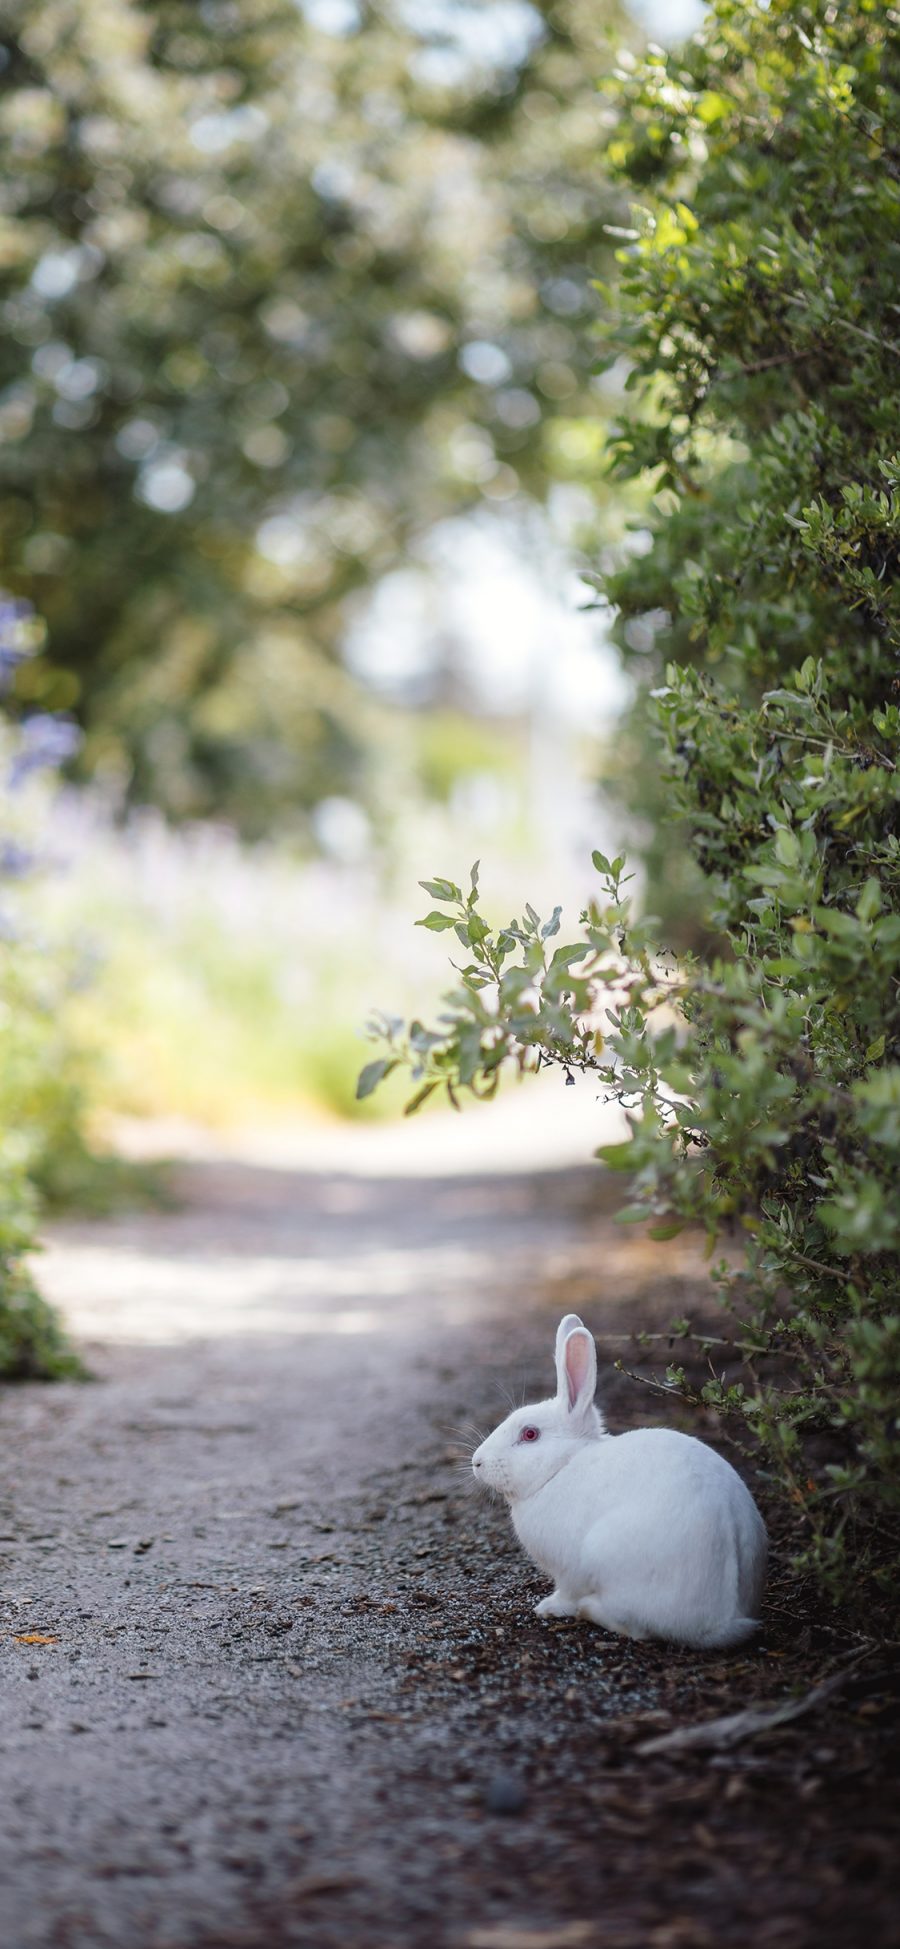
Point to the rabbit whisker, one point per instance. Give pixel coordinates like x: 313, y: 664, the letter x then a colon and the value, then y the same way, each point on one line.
x: 464, y: 1431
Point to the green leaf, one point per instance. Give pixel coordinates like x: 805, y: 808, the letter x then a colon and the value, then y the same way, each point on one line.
x: 514, y: 983
x: 437, y: 923
x: 441, y: 889
x: 711, y: 107
x: 677, y: 1076
x: 469, y: 1059
x: 869, y: 902
x: 373, y: 1074
x: 564, y: 957
x: 602, y: 864
x: 787, y: 847
x: 618, y: 1157
x: 842, y: 926
x: 766, y: 876
x: 667, y: 1228
x: 477, y: 930
x: 791, y: 699
x: 423, y: 1039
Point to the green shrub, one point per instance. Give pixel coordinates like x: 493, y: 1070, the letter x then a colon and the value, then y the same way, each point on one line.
x: 32, y: 1344
x: 757, y: 307
x: 40, y: 1091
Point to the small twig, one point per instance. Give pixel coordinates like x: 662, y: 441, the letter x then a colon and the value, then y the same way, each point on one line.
x: 836, y: 318
x: 720, y: 1734
x: 657, y: 1387
x: 763, y: 365
x: 824, y: 744
x: 702, y: 1340
x: 815, y: 1265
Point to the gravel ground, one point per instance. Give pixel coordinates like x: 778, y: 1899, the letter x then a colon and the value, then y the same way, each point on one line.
x: 271, y: 1674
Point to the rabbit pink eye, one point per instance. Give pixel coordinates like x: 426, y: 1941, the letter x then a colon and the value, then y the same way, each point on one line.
x: 529, y: 1434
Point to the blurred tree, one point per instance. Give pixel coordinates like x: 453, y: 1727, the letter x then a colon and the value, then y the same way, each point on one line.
x: 281, y: 284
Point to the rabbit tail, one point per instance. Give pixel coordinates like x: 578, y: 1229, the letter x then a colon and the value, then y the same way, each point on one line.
x: 722, y: 1636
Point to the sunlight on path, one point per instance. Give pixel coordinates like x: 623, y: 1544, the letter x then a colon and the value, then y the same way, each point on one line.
x: 333, y: 1230
x: 111, y: 1292
x: 539, y: 1125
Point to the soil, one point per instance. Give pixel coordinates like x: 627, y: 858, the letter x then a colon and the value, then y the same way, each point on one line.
x: 271, y: 1670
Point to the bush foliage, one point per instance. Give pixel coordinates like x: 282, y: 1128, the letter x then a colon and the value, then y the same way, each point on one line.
x: 757, y: 310
x: 40, y: 1082
x: 32, y: 1343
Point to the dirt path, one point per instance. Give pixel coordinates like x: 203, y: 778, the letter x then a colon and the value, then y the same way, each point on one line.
x: 295, y: 1693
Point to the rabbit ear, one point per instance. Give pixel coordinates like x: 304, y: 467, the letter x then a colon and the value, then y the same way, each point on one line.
x: 570, y: 1324
x: 579, y: 1369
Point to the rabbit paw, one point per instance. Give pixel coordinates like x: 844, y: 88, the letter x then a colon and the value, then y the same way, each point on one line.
x: 556, y: 1605
x: 597, y: 1612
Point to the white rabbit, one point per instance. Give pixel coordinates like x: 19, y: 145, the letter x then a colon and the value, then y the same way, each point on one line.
x: 650, y: 1533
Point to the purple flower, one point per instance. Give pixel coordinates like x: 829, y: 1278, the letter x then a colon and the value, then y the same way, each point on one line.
x: 16, y: 635
x: 15, y: 860
x: 45, y: 742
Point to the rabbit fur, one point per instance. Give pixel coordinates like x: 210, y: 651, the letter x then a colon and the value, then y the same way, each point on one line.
x: 651, y: 1533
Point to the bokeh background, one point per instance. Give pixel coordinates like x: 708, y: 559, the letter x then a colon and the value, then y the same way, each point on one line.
x: 303, y: 407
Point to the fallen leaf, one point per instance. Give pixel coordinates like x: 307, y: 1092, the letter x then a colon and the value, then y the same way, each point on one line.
x: 36, y: 1637
x: 321, y: 1884
x: 506, y: 1935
